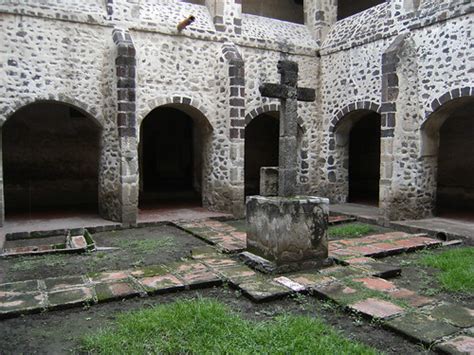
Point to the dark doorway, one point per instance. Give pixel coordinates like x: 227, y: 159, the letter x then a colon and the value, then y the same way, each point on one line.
x: 347, y: 8
x: 455, y: 183
x: 364, y: 160
x: 261, y: 149
x: 50, y: 160
x: 285, y: 10
x: 170, y: 169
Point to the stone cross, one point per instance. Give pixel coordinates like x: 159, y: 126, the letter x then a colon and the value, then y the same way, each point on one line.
x: 289, y: 94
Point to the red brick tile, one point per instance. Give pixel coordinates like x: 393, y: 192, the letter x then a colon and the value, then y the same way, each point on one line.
x: 377, y: 284
x: 460, y: 345
x: 376, y: 308
x: 412, y: 298
x: 161, y: 283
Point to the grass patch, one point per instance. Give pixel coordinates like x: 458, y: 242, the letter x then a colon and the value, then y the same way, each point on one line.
x: 352, y: 230
x: 146, y: 246
x: 205, y: 326
x: 23, y: 263
x: 457, y: 268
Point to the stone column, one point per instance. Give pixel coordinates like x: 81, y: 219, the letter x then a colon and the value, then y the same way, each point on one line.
x: 319, y: 16
x: 227, y: 15
x: 2, y: 196
x: 236, y: 91
x: 126, y: 122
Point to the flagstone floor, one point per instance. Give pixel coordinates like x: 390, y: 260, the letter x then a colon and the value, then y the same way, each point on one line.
x: 359, y: 282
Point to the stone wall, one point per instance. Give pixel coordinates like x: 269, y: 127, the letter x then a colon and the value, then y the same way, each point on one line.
x: 117, y: 60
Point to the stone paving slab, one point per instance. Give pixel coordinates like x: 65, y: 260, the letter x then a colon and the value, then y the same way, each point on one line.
x: 335, y: 291
x: 379, y: 245
x: 64, y: 282
x: 454, y: 314
x: 21, y: 303
x: 376, y: 308
x: 421, y: 328
x: 463, y: 344
x: 195, y: 274
x: 161, y: 284
x: 340, y: 219
x: 116, y: 290
x: 260, y: 289
x: 225, y: 237
x: 70, y: 297
x: 236, y: 274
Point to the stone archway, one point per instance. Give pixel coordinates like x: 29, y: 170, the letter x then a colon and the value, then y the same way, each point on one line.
x: 448, y: 157
x: 51, y: 157
x: 173, y: 156
x: 261, y: 148
x: 355, y: 157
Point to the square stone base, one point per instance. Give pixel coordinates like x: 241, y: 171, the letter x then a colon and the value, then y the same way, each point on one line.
x: 289, y: 232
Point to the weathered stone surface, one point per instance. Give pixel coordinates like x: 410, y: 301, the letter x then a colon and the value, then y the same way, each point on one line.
x: 70, y: 297
x: 457, y: 346
x: 116, y: 290
x: 454, y: 314
x: 260, y: 290
x: 376, y: 308
x: 421, y: 328
x: 269, y: 181
x: 288, y: 231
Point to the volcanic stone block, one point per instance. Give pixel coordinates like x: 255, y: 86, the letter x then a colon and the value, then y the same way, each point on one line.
x: 291, y: 232
x: 269, y: 181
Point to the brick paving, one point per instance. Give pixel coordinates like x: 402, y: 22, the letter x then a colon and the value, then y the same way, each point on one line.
x: 358, y: 283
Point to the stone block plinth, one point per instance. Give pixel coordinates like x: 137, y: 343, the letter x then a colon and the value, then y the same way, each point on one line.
x: 289, y: 232
x: 269, y: 181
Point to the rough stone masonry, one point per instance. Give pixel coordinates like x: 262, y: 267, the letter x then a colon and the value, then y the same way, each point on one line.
x: 410, y: 62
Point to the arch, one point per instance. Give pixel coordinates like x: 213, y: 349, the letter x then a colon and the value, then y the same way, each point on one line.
x: 358, y: 105
x: 433, y: 120
x: 189, y: 105
x: 354, y: 167
x: 447, y: 156
x: 191, y: 152
x: 260, y: 110
x: 51, y: 154
x: 89, y: 112
x: 269, y: 109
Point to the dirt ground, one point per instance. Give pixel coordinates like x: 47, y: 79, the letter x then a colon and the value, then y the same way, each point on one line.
x: 59, y: 332
x: 136, y: 247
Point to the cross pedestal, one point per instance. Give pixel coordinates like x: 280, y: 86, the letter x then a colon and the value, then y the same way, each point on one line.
x: 287, y: 232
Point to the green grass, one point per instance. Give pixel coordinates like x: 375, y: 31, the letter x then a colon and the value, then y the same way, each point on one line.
x: 352, y: 230
x: 146, y: 246
x: 32, y: 262
x: 456, y: 266
x: 205, y: 326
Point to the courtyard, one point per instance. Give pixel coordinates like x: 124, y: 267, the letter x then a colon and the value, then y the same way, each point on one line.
x: 388, y: 292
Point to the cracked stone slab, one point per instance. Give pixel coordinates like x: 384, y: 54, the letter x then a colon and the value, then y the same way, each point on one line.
x: 292, y: 285
x: 454, y: 314
x: 463, y: 344
x: 14, y: 288
x: 376, y: 308
x: 195, y: 275
x: 109, y: 276
x: 421, y: 328
x: 335, y: 291
x: 410, y: 297
x: 64, y: 282
x: 204, y: 252
x: 261, y: 290
x: 237, y: 274
x: 311, y: 279
x: 116, y: 290
x: 21, y: 303
x: 161, y: 284
x: 70, y: 297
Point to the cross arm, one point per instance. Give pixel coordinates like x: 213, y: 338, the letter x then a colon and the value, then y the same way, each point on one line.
x: 274, y: 90
x: 305, y: 94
